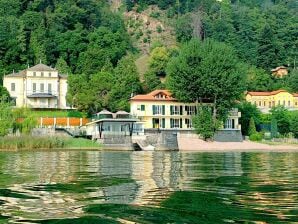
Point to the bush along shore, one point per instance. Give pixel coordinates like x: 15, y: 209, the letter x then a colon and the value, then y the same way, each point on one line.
x: 27, y: 142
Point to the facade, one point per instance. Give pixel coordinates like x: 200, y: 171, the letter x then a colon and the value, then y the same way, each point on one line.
x: 266, y: 100
x: 159, y: 109
x: 39, y: 86
x: 279, y: 72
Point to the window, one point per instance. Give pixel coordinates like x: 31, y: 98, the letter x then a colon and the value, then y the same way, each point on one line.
x: 34, y: 73
x: 34, y: 87
x: 229, y: 124
x: 264, y: 104
x: 158, y: 109
x: 141, y: 107
x: 188, y: 123
x: 50, y: 74
x: 190, y: 110
x: 289, y: 103
x: 176, y: 110
x: 13, y: 87
x: 260, y: 103
x: 175, y: 123
x: 270, y: 104
x: 41, y: 74
x: 49, y: 88
x: 284, y: 102
x: 41, y: 87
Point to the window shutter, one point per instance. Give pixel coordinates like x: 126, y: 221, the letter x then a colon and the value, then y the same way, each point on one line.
x: 163, y: 123
x: 163, y: 110
x: 171, y: 110
x: 181, y: 110
x: 180, y: 122
x: 153, y: 109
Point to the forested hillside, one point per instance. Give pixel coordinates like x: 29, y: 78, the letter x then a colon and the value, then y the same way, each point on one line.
x: 85, y: 34
x: 103, y: 44
x: 263, y: 32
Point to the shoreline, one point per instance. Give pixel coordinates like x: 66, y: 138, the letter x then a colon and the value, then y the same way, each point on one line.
x: 197, y: 145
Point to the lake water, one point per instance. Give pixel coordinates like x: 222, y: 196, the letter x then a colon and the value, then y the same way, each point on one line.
x: 148, y: 187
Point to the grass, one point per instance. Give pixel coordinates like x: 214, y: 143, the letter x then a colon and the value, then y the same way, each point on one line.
x: 26, y: 142
x: 56, y: 113
x: 80, y: 142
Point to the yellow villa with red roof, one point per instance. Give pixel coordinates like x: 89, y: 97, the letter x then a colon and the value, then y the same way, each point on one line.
x: 266, y: 100
x: 159, y: 109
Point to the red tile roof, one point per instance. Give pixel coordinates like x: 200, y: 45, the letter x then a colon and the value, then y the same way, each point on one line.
x: 269, y: 93
x: 152, y: 96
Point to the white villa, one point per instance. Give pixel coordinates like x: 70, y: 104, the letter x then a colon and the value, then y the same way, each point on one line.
x: 39, y: 86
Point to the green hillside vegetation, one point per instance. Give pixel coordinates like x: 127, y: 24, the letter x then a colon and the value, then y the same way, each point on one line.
x: 113, y: 51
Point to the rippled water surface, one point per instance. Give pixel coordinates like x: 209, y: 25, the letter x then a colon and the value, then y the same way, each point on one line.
x: 148, y: 187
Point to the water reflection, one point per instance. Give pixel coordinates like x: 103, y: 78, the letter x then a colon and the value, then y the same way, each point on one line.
x: 151, y: 187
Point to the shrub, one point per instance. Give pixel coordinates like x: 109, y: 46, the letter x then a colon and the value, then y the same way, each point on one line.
x: 283, y: 121
x: 159, y: 29
x: 252, y: 127
x: 274, y: 129
x: 257, y: 136
x: 74, y: 113
x: 155, y: 15
x: 294, y: 125
x: 204, y: 124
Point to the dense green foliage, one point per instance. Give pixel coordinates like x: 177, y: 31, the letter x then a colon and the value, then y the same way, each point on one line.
x: 294, y: 124
x: 264, y: 33
x: 207, y: 70
x: 6, y: 117
x: 110, y: 88
x: 204, y: 124
x: 282, y: 117
x: 248, y: 111
x: 81, y: 34
x: 252, y: 127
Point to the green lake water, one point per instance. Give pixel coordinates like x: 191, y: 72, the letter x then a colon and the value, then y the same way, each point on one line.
x: 148, y: 187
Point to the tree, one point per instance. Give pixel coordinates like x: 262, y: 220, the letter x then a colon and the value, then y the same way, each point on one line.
x: 283, y: 121
x: 152, y: 82
x: 23, y: 120
x: 158, y: 60
x: 100, y: 86
x: 248, y: 111
x: 4, y: 94
x: 258, y: 80
x: 203, y: 123
x: 294, y: 124
x: 62, y: 66
x: 274, y: 128
x: 268, y: 49
x: 6, y: 117
x: 292, y: 80
x: 252, y: 127
x: 207, y: 70
x: 126, y: 84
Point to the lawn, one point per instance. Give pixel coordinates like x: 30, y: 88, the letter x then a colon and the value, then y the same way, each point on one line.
x: 80, y: 143
x: 56, y: 113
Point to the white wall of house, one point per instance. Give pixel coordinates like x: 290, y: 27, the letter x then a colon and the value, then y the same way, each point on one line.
x: 26, y: 85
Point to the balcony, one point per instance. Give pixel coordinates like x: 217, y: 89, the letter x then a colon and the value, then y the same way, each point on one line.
x: 41, y: 94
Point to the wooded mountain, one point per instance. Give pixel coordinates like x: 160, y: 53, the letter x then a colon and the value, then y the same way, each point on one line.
x: 83, y: 33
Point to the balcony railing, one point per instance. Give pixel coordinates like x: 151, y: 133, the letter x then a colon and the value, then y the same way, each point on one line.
x: 42, y: 93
